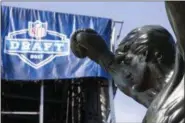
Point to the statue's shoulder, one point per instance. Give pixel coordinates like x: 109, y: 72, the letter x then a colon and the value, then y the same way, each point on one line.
x: 167, y: 108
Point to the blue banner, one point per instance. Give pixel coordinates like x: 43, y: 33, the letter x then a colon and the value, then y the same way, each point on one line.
x: 35, y: 45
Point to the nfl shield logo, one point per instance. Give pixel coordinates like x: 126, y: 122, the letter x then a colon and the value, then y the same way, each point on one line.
x: 38, y: 50
x: 37, y: 29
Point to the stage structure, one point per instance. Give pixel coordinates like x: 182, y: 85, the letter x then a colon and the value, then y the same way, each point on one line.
x: 42, y: 81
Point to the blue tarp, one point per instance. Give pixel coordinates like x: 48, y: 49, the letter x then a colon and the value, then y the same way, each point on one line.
x: 35, y: 44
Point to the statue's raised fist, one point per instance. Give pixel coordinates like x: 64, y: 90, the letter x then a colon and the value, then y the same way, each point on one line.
x: 87, y: 42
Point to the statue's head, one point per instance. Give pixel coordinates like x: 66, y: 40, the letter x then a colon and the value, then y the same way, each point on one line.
x: 149, y: 53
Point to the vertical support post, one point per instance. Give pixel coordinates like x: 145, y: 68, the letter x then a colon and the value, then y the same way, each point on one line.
x: 111, y: 101
x: 67, y: 111
x: 72, y: 103
x: 41, y: 108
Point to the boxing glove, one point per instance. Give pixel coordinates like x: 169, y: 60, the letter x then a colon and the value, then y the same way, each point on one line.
x: 88, y: 43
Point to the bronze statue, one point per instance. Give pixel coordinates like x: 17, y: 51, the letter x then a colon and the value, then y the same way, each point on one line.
x: 141, y: 64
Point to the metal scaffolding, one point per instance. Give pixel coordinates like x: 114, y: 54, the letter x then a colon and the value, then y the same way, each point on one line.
x: 84, y: 100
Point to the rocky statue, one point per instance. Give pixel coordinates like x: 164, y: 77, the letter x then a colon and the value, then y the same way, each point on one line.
x: 142, y: 64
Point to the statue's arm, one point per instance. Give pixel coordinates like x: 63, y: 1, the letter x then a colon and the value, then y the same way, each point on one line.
x: 89, y: 43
